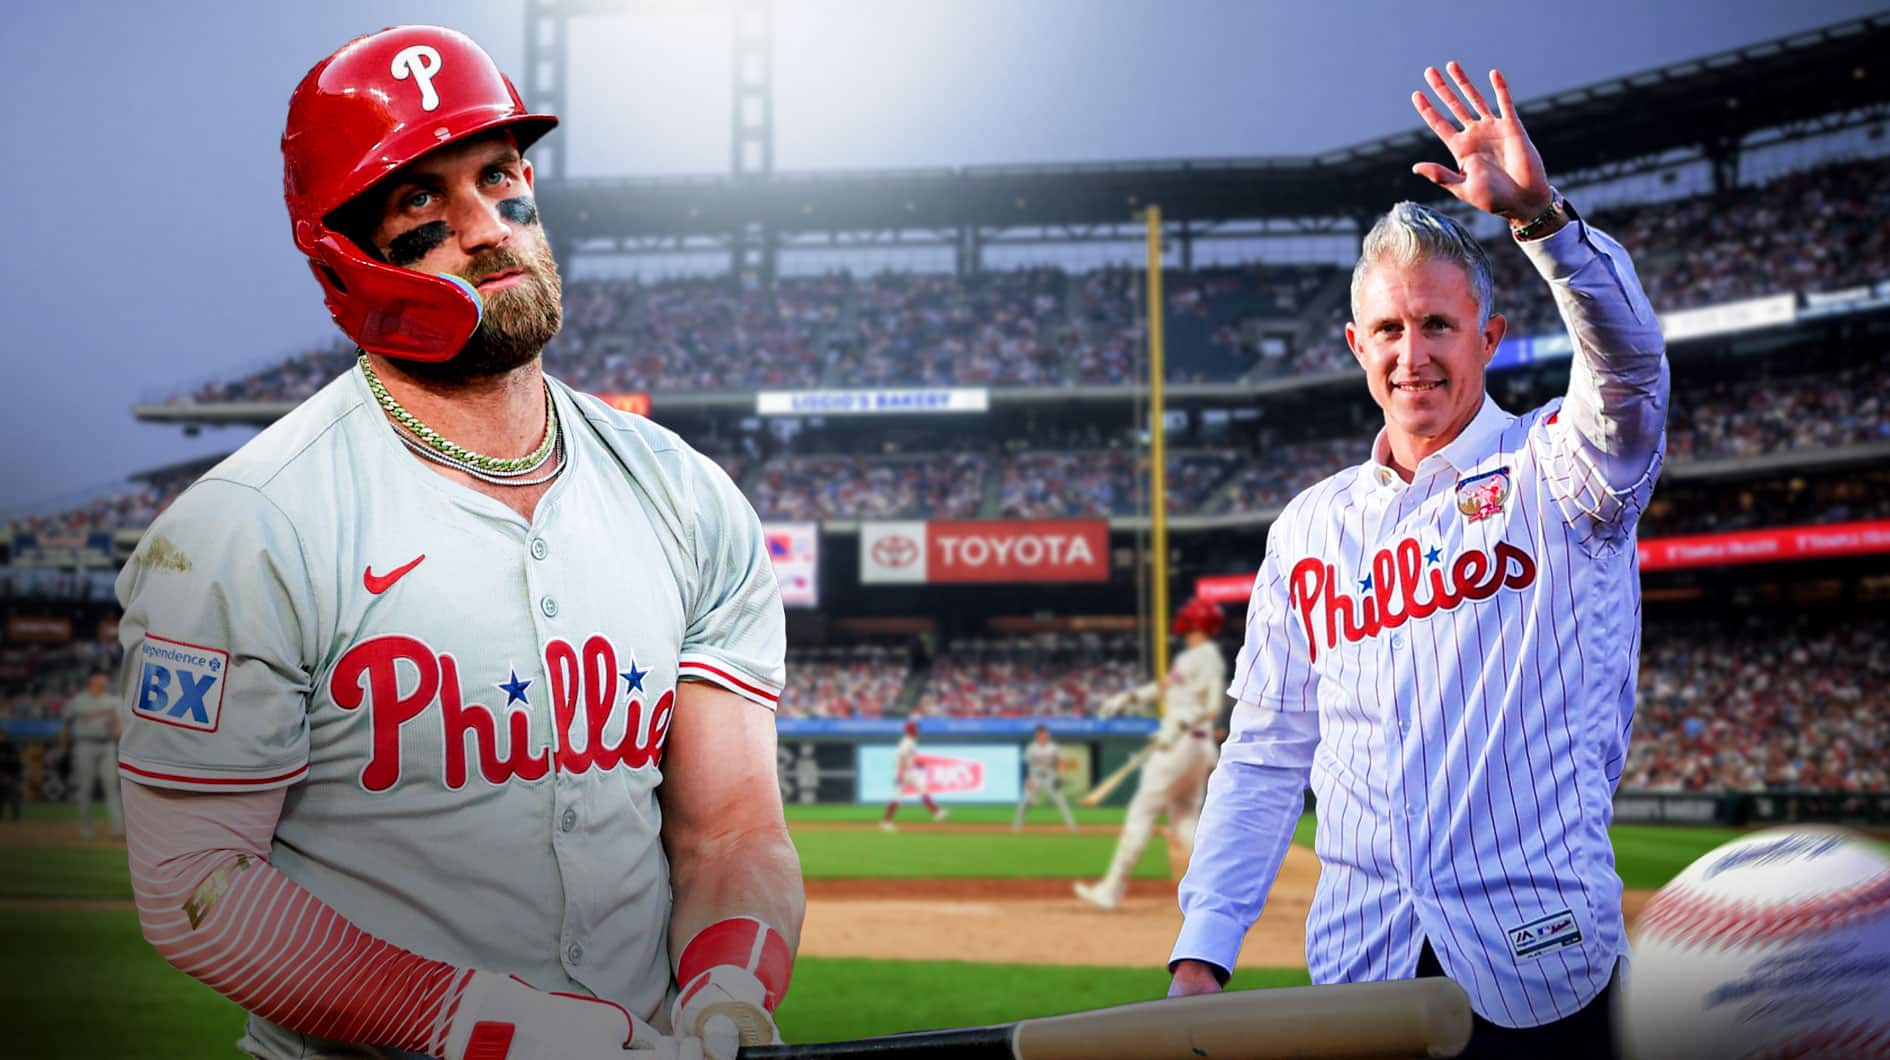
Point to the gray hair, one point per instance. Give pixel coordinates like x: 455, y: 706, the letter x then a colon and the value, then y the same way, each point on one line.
x: 1409, y: 234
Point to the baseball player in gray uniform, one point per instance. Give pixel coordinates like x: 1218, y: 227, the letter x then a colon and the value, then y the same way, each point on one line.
x: 89, y: 739
x: 1442, y: 639
x: 450, y: 696
x: 1042, y: 780
x: 1174, y: 778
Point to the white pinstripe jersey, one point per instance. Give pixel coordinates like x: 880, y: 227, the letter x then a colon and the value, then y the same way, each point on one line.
x: 469, y: 711
x: 1452, y: 663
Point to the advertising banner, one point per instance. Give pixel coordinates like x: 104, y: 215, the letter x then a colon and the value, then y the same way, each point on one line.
x: 1069, y: 550
x: 633, y: 401
x: 1729, y: 316
x: 1766, y: 546
x: 892, y: 553
x: 871, y: 402
x: 795, y: 550
x: 1224, y: 588
x: 985, y: 550
x: 39, y: 629
x: 949, y: 772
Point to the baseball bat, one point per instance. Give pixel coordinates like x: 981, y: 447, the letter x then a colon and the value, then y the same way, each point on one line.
x: 1403, y: 1018
x: 1114, y: 780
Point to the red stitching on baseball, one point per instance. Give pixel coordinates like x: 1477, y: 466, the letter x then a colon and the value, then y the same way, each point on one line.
x: 1687, y: 917
x: 1844, y: 1041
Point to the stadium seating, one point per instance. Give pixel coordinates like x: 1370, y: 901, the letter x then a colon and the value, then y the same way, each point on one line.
x: 1762, y: 705
x: 854, y: 681
x: 1041, y: 675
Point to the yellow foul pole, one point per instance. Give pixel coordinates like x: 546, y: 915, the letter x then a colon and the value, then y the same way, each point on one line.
x: 1158, y: 437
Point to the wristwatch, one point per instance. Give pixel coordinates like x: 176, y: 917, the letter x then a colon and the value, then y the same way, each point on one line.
x: 1558, y: 209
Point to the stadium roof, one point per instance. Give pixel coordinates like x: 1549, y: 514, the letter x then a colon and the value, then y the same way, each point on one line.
x: 1704, y: 105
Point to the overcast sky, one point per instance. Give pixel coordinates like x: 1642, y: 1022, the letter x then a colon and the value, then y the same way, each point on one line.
x: 151, y: 251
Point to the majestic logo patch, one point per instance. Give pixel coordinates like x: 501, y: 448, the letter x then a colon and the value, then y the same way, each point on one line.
x: 419, y: 62
x: 1484, y: 495
x: 1404, y: 583
x: 1540, y: 937
x: 180, y: 684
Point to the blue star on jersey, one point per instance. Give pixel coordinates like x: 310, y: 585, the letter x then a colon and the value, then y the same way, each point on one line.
x: 514, y: 690
x: 634, y: 677
x: 1435, y: 555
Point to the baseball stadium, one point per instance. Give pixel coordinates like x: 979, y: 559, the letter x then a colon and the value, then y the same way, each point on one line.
x: 1001, y: 424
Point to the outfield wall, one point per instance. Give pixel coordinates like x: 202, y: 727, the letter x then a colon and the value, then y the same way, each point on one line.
x: 968, y: 760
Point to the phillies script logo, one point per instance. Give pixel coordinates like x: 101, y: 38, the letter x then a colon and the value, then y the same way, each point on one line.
x: 1400, y: 589
x: 938, y: 773
x: 895, y: 550
x: 581, y: 682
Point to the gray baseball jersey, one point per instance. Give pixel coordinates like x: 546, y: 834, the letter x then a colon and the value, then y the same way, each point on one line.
x: 1042, y: 761
x: 91, y: 716
x: 469, y: 710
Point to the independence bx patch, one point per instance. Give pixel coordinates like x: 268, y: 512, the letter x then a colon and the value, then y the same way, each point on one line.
x: 180, y: 684
x: 1543, y: 936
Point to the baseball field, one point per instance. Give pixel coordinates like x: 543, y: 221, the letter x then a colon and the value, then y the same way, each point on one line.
x: 936, y: 925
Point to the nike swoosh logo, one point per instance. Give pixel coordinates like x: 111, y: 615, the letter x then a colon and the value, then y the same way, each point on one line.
x: 378, y: 584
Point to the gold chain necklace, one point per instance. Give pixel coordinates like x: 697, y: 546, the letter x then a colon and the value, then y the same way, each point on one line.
x: 459, y: 454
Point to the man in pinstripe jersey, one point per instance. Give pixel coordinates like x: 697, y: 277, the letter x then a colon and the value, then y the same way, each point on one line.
x: 1443, y: 639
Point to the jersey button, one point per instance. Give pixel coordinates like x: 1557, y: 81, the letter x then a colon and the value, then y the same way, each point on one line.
x: 549, y: 607
x: 539, y: 548
x: 568, y: 821
x: 575, y: 953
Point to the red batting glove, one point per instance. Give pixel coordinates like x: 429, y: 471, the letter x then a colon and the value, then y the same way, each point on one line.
x: 737, y: 969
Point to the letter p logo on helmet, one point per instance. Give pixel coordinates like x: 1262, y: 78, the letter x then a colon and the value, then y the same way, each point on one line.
x: 419, y: 62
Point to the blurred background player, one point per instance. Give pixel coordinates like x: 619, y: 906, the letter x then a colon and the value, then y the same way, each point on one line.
x: 906, y: 772
x: 89, y: 739
x: 1174, y: 779
x: 12, y: 773
x: 1040, y: 760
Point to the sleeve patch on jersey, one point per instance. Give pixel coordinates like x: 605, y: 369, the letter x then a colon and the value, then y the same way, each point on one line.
x: 180, y: 684
x: 1539, y: 938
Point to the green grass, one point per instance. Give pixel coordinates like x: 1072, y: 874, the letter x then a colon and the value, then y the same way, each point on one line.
x: 834, y: 999
x: 1648, y: 855
x: 84, y: 983
x: 57, y: 966
x: 915, y: 853
x: 65, y: 872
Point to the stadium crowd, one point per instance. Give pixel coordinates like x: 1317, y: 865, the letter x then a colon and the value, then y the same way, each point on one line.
x: 1815, y: 229
x: 1046, y: 675
x: 856, y: 681
x: 1762, y: 706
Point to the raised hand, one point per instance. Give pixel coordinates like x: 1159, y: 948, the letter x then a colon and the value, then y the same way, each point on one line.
x: 1498, y: 170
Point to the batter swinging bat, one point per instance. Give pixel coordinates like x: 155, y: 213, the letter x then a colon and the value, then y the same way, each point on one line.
x: 1404, y: 1018
x: 1114, y: 780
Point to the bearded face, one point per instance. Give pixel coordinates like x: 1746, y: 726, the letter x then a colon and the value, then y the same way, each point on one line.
x: 523, y: 299
x: 467, y: 210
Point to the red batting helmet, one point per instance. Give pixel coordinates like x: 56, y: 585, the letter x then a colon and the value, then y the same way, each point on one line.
x: 1198, y: 615
x: 912, y: 728
x: 382, y: 101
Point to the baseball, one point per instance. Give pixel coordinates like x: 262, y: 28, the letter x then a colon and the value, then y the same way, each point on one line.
x: 1774, y: 945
